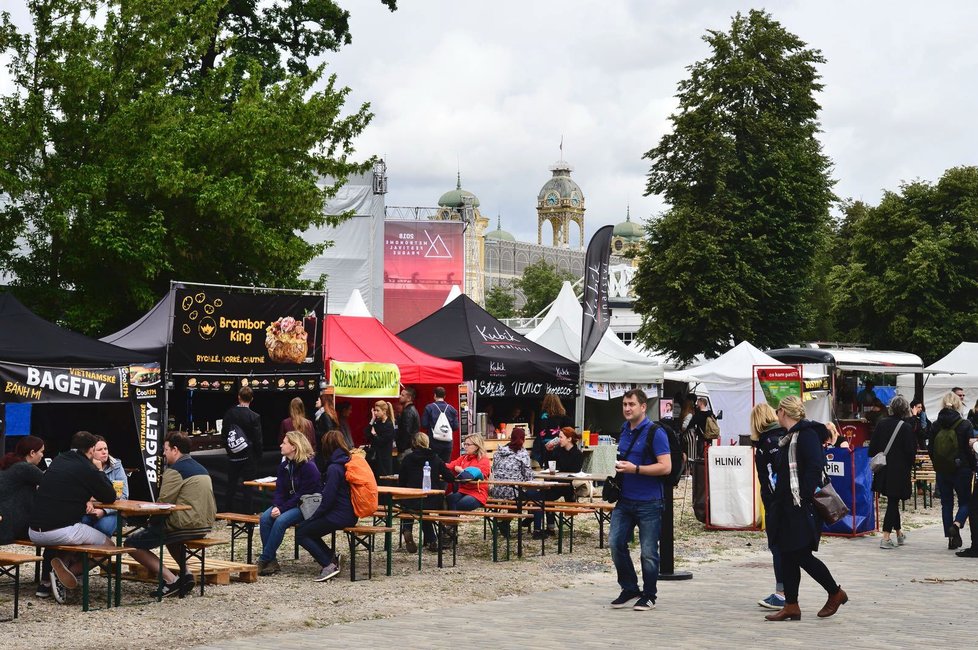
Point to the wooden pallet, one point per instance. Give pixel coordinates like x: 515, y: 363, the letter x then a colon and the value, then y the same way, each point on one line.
x: 219, y: 572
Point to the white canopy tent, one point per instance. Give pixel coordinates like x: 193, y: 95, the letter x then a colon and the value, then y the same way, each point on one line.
x: 959, y: 368
x: 612, y: 361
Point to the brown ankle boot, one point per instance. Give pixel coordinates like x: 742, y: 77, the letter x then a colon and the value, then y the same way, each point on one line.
x: 790, y: 612
x: 833, y: 604
x: 409, y: 544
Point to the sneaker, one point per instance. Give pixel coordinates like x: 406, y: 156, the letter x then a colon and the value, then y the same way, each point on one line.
x: 67, y: 578
x: 187, y: 584
x: 329, y: 571
x: 774, y: 601
x: 539, y: 534
x: 971, y: 551
x: 644, y: 604
x: 953, y: 537
x: 887, y: 544
x: 58, y: 590
x: 261, y: 564
x: 43, y: 591
x: 270, y: 568
x: 902, y: 539
x: 624, y: 598
x: 169, y: 589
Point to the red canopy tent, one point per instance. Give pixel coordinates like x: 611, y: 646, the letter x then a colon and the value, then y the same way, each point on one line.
x: 365, y: 339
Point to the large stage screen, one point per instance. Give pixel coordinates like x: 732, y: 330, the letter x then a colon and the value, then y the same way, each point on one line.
x: 422, y: 260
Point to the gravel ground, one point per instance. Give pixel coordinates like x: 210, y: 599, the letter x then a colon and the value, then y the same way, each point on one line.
x: 291, y: 600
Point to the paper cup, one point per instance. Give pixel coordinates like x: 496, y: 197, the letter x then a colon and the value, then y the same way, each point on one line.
x: 118, y: 489
x: 552, y: 465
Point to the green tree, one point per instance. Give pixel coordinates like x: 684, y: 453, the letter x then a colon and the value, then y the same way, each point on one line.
x: 540, y: 284
x: 749, y: 194
x: 145, y: 141
x: 500, y: 302
x: 910, y: 277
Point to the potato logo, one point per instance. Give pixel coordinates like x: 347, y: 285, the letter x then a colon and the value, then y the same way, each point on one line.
x: 187, y: 303
x: 207, y: 328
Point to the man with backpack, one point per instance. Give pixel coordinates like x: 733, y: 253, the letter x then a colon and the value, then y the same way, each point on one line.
x: 440, y: 420
x: 954, y: 465
x: 242, y: 434
x: 642, y: 473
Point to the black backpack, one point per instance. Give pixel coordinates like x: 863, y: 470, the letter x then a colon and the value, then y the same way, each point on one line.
x: 675, y: 451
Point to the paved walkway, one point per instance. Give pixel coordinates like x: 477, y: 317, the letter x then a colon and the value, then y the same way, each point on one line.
x: 903, y: 598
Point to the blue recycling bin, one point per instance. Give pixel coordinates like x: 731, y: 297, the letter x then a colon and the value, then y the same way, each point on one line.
x: 852, y: 479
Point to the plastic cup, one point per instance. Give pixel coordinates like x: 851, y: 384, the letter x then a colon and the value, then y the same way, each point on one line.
x: 552, y: 465
x: 118, y: 489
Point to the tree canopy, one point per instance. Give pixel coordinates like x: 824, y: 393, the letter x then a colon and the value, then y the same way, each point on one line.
x: 540, y: 284
x: 910, y: 277
x: 500, y: 302
x: 148, y: 141
x: 749, y: 193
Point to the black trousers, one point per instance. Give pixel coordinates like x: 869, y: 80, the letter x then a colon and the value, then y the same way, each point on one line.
x: 973, y: 517
x: 243, y: 470
x: 792, y: 562
x: 891, y: 520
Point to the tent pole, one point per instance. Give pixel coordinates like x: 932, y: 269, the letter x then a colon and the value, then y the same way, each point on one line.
x: 579, y: 402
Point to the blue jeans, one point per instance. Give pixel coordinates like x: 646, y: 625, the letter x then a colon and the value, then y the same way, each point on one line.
x: 462, y: 502
x: 647, y: 515
x: 310, y: 535
x: 272, y: 531
x: 948, y: 485
x: 106, y: 525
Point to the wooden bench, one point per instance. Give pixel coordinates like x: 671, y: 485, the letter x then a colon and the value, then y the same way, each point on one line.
x: 93, y: 556
x: 241, y: 526
x: 197, y: 548
x: 363, y: 536
x: 10, y: 567
x: 924, y: 478
x: 446, y: 527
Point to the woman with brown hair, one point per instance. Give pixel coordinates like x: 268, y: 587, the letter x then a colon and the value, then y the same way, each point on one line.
x: 326, y: 417
x: 795, y: 526
x: 380, y: 437
x: 765, y: 434
x: 553, y: 417
x: 335, y: 511
x: 297, y: 421
x: 19, y: 479
x: 569, y: 458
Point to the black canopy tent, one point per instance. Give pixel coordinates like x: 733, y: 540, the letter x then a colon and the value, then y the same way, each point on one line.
x: 80, y: 383
x: 502, y: 361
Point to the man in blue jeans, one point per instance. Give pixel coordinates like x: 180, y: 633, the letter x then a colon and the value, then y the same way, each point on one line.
x: 641, y: 501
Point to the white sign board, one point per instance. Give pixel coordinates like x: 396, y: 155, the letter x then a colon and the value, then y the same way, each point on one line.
x: 732, y: 487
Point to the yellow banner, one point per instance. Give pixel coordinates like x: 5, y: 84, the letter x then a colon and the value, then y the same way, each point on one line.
x: 365, y: 379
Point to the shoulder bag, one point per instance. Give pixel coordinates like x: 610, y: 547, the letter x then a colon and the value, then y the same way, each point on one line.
x: 611, y: 490
x: 309, y: 504
x: 878, y: 462
x: 828, y: 504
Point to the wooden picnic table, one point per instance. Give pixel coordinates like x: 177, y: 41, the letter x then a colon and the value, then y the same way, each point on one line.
x: 568, y: 477
x: 149, y: 509
x: 398, y: 493
x: 522, y: 490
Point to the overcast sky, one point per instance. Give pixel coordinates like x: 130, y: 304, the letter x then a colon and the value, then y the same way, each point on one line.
x: 489, y: 88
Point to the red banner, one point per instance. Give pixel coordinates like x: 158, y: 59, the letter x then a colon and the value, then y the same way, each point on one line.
x: 422, y: 260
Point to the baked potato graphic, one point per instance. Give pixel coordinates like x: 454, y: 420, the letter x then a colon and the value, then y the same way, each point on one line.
x: 286, y: 341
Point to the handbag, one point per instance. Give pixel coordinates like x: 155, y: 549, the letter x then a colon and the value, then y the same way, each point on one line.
x: 878, y: 462
x: 611, y: 490
x: 309, y: 504
x: 828, y: 504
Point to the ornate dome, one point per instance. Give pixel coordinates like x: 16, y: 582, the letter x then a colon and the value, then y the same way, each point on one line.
x: 629, y: 230
x: 561, y: 187
x: 456, y: 198
x: 499, y: 233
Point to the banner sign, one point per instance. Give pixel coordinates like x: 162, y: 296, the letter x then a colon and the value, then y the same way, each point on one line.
x: 139, y: 385
x: 422, y: 260
x: 365, y: 379
x: 732, y: 481
x: 512, y: 388
x: 220, y: 332
x: 597, y: 312
x: 778, y: 383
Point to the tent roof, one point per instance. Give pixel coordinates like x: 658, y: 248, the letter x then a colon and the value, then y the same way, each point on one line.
x: 151, y: 333
x: 732, y: 367
x: 612, y: 361
x: 25, y: 337
x: 464, y: 331
x: 962, y: 359
x: 361, y: 338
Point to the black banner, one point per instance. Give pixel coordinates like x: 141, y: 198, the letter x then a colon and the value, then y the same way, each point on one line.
x: 140, y: 385
x: 597, y: 312
x: 219, y: 332
x: 514, y: 388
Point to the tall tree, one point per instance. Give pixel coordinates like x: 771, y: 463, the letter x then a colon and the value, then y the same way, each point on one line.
x: 540, y: 284
x: 147, y: 141
x: 500, y: 302
x: 749, y: 193
x: 910, y: 278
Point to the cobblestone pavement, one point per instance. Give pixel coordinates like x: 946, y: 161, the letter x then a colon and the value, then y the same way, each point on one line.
x: 917, y: 594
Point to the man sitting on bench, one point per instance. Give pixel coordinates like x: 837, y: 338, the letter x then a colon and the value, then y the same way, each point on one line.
x: 185, y: 482
x: 62, y: 499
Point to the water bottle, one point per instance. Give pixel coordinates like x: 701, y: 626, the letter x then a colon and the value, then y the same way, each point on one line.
x: 426, y: 477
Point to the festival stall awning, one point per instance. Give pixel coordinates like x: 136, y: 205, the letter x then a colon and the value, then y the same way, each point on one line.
x: 502, y: 360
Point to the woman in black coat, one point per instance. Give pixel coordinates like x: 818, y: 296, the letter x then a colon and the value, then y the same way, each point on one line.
x: 765, y: 434
x: 893, y: 480
x: 380, y: 437
x: 795, y: 527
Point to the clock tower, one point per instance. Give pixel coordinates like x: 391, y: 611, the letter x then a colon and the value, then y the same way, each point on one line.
x: 560, y: 203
